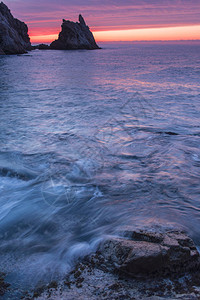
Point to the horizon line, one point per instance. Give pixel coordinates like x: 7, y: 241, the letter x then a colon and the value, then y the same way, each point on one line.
x: 178, y: 33
x: 141, y: 41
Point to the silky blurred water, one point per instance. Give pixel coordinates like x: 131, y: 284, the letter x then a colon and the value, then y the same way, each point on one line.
x: 90, y: 141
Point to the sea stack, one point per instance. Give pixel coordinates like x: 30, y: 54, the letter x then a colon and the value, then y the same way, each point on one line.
x: 14, y: 38
x: 74, y: 36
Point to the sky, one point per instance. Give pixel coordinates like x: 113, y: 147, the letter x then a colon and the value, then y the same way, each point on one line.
x: 109, y: 20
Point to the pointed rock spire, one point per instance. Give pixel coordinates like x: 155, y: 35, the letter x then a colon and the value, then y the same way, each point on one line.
x: 81, y: 20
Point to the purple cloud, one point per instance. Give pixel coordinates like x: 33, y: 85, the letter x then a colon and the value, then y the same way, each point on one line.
x: 107, y: 14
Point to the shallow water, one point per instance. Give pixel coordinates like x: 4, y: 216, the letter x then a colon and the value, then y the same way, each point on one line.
x: 90, y: 141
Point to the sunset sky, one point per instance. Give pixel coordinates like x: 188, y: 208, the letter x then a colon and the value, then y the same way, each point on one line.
x: 112, y: 20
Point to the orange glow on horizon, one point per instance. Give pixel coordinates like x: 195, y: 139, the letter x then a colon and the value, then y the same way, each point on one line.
x: 46, y: 38
x: 147, y: 34
x: 150, y: 34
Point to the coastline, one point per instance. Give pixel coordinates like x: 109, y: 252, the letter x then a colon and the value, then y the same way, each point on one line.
x: 136, y: 264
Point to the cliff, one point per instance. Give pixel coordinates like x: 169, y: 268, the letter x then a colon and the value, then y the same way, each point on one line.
x: 14, y: 38
x: 74, y: 36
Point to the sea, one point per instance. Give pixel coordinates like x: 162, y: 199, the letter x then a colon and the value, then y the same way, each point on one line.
x: 91, y: 141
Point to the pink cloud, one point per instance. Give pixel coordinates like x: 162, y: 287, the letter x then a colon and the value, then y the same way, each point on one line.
x: 46, y: 16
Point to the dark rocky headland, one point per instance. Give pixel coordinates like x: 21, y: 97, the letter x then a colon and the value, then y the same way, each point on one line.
x: 14, y: 38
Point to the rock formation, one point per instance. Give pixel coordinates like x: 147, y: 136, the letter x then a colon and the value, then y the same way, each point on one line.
x: 14, y: 38
x: 74, y: 36
x: 140, y: 253
x: 155, y: 263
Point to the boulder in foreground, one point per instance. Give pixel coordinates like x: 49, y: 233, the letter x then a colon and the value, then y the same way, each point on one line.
x: 14, y: 38
x: 147, y: 252
x: 74, y: 36
x: 139, y: 255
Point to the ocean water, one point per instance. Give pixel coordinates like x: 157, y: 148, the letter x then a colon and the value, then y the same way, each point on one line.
x: 91, y: 141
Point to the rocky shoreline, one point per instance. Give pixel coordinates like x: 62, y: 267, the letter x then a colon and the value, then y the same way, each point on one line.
x: 90, y: 282
x: 14, y: 38
x: 135, y: 264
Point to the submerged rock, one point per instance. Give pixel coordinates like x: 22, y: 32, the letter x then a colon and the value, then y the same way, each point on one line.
x: 146, y: 252
x: 3, y: 285
x: 14, y: 38
x: 74, y: 36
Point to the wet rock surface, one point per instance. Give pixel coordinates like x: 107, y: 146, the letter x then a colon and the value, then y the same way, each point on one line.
x: 106, y: 273
x: 74, y: 36
x: 87, y: 281
x: 14, y: 38
x: 3, y: 284
x: 146, y: 252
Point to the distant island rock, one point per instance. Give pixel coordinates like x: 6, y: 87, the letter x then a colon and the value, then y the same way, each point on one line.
x: 74, y: 36
x: 14, y: 38
x: 41, y: 47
